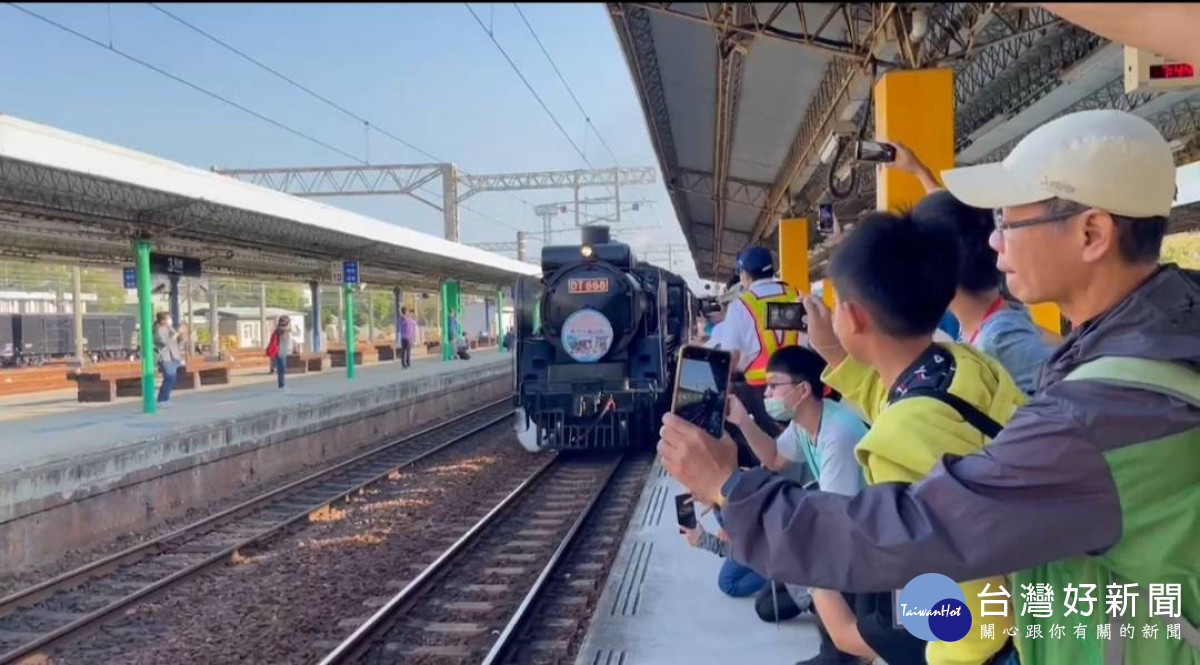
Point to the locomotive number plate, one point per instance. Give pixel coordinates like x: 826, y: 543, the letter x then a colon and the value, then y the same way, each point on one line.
x: 593, y: 285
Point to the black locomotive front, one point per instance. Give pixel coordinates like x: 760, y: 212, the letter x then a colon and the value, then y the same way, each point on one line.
x: 596, y: 345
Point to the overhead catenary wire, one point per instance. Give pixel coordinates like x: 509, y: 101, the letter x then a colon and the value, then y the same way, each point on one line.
x: 316, y: 95
x: 529, y: 87
x: 183, y: 81
x: 586, y: 116
x: 230, y: 102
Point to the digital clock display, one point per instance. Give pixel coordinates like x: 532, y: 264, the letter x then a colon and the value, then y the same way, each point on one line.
x: 1174, y: 70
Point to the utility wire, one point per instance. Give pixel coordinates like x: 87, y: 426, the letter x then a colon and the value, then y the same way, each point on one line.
x: 187, y: 83
x: 528, y: 86
x: 280, y: 75
x: 228, y: 101
x: 566, y: 85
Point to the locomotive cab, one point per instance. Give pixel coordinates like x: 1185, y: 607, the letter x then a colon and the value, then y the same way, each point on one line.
x: 596, y: 351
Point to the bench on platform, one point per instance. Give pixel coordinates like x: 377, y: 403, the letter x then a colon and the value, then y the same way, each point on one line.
x: 108, y: 384
x: 211, y: 373
x: 337, y: 357
x: 386, y: 352
x: 300, y: 363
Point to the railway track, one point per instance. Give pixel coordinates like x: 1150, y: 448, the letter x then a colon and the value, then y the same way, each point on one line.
x: 57, y: 610
x: 475, y: 602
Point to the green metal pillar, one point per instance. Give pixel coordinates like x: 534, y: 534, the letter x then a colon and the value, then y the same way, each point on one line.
x: 499, y: 316
x: 146, y: 316
x: 444, y: 314
x: 348, y: 294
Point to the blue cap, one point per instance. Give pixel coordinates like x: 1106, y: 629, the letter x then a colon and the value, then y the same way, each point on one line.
x: 756, y: 260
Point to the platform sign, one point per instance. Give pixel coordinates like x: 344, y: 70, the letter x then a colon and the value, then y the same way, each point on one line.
x: 167, y: 264
x: 130, y: 276
x: 350, y: 272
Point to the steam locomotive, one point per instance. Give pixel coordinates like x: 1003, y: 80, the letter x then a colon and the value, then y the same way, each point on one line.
x: 597, y: 343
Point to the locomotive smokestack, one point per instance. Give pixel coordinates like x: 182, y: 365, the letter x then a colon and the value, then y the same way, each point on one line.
x: 594, y: 235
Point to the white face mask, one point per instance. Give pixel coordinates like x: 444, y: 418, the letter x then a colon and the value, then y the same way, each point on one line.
x: 778, y: 408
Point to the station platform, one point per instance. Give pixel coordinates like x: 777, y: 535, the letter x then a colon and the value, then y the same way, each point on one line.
x: 74, y: 477
x: 661, y: 603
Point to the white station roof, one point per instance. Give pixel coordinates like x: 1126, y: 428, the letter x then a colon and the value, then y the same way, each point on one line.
x: 65, y: 197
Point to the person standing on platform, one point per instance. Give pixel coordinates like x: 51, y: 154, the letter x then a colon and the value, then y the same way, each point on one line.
x: 166, y: 351
x: 744, y: 331
x: 280, y: 347
x: 408, y: 335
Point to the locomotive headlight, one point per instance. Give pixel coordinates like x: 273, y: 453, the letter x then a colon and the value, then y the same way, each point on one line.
x: 587, y: 335
x: 586, y: 251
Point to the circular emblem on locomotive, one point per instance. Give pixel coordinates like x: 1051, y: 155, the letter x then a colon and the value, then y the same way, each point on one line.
x: 587, y: 335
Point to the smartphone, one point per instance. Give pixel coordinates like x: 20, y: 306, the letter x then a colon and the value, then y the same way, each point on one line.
x: 701, y: 387
x: 685, y: 511
x: 787, y: 316
x: 825, y: 218
x: 874, y: 151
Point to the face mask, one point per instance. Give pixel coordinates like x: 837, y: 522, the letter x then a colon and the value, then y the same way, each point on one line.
x: 777, y: 409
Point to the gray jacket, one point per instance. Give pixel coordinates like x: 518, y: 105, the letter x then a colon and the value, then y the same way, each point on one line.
x: 166, y: 346
x: 1041, y: 491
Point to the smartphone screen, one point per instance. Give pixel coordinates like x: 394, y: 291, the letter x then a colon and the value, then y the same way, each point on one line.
x: 685, y: 511
x: 825, y: 217
x: 874, y: 151
x: 701, y: 388
x: 786, y: 316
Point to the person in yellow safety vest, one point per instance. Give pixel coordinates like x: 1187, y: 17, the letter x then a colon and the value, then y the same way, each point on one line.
x: 744, y: 329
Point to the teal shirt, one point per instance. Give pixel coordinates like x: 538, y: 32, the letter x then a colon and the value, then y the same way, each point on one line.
x: 831, y: 458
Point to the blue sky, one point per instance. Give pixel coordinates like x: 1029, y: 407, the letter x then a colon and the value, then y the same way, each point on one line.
x: 427, y: 73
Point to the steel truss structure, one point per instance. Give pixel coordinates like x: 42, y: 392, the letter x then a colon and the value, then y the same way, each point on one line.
x: 409, y: 179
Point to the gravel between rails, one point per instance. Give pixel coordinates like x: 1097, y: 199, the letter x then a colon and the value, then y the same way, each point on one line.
x: 283, y: 603
x: 79, y: 557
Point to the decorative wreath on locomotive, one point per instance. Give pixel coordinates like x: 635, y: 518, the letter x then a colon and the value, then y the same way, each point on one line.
x: 598, y: 337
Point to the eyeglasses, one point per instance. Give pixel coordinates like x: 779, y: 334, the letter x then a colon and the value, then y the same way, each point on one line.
x: 782, y: 384
x: 1001, y: 225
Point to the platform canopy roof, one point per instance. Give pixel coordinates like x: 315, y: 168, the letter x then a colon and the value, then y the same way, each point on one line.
x: 65, y: 197
x: 739, y: 99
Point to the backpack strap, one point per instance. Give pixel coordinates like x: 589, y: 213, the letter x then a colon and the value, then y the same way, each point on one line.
x: 978, y: 419
x: 1159, y: 376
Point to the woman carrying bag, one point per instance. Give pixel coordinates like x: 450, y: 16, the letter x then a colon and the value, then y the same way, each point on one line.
x: 280, y: 347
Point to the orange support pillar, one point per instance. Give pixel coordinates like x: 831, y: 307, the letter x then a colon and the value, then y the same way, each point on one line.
x: 828, y: 295
x: 915, y: 108
x: 793, y: 253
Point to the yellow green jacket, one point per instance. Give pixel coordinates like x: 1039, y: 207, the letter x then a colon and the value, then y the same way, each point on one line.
x: 907, y: 439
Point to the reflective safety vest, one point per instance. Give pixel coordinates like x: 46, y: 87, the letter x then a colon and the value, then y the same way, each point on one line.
x: 768, y: 340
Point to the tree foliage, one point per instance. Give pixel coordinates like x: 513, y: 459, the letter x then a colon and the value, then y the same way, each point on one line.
x: 1182, y: 248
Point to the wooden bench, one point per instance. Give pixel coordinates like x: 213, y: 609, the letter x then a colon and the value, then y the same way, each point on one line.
x: 299, y: 363
x: 106, y: 385
x: 386, y: 352
x: 337, y: 357
x: 211, y: 373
